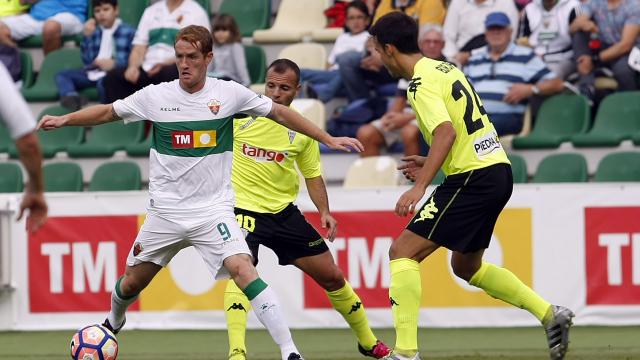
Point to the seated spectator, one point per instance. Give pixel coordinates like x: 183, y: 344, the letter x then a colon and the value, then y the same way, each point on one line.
x: 545, y: 28
x: 614, y: 27
x: 423, y: 11
x: 51, y: 18
x: 464, y: 28
x: 399, y: 122
x: 506, y: 75
x: 13, y: 7
x: 325, y: 84
x: 229, y: 62
x: 152, y: 58
x: 104, y: 47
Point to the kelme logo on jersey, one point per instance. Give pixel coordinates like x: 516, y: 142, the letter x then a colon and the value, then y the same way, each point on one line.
x: 193, y: 139
x: 486, y: 144
x: 263, y: 155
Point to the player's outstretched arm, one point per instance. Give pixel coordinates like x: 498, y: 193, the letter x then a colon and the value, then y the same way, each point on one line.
x: 93, y: 115
x: 294, y: 121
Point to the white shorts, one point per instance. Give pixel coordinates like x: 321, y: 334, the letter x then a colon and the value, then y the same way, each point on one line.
x: 390, y: 137
x: 215, y: 239
x: 23, y: 26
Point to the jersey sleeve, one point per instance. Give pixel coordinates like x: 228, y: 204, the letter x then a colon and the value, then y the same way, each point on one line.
x: 13, y: 108
x: 428, y: 103
x: 309, y: 160
x: 142, y: 33
x: 133, y: 107
x: 251, y: 103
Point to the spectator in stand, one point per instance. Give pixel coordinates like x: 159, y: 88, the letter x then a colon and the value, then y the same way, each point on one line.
x: 104, y: 47
x: 464, y: 28
x: 423, y: 11
x: 613, y: 26
x: 229, y: 62
x: 152, y: 58
x: 545, y: 28
x: 399, y: 122
x: 51, y: 18
x: 326, y: 84
x: 506, y: 75
x: 13, y: 7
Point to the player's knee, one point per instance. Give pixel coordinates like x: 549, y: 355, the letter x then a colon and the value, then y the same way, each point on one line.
x: 130, y: 286
x: 463, y: 271
x: 395, y: 251
x: 333, y: 281
x: 241, y: 269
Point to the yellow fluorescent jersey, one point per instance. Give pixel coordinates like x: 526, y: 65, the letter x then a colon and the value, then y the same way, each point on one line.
x: 440, y: 92
x: 264, y: 175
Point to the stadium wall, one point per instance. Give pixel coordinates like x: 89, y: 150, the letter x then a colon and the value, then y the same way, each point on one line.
x: 576, y: 244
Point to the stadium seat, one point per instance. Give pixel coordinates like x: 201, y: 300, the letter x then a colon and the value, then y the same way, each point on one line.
x: 10, y: 178
x: 559, y: 118
x: 140, y: 149
x: 256, y: 63
x: 251, y: 15
x: 45, y: 88
x: 5, y: 138
x: 374, y: 171
x: 52, y: 142
x: 36, y: 41
x: 26, y: 63
x: 326, y: 34
x: 306, y: 55
x: 62, y: 176
x: 519, y: 168
x: 561, y: 168
x: 116, y: 176
x: 131, y: 10
x: 618, y: 118
x: 295, y: 20
x: 636, y: 139
x: 621, y: 166
x: 313, y: 110
x: 106, y: 139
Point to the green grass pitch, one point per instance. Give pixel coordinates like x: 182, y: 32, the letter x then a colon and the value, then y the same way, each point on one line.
x: 601, y: 343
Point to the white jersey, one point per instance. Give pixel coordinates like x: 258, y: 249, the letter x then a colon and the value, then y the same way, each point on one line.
x: 14, y: 111
x: 158, y: 29
x: 192, y: 145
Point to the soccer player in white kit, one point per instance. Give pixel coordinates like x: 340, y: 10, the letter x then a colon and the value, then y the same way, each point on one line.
x: 191, y: 197
x: 15, y: 113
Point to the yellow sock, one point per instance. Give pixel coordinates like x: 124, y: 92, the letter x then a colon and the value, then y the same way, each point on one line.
x: 348, y: 304
x: 504, y: 285
x: 236, y: 307
x: 404, y: 293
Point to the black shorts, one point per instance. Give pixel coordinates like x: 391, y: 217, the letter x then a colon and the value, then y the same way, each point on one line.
x: 287, y: 233
x: 461, y: 213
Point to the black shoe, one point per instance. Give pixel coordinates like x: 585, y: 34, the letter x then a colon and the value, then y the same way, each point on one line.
x: 294, y: 356
x: 107, y: 324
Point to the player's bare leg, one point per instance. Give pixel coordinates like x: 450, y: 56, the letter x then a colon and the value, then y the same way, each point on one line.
x: 328, y: 275
x: 126, y: 291
x: 264, y: 302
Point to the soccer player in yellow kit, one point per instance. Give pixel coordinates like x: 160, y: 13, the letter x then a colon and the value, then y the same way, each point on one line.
x: 265, y: 181
x: 461, y: 213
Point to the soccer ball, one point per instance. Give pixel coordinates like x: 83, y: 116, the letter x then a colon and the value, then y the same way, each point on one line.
x: 94, y: 342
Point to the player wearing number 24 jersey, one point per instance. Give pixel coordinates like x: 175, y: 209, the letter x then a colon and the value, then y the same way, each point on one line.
x: 461, y: 213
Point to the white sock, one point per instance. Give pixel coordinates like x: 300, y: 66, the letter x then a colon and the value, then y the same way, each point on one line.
x: 266, y: 307
x: 119, y: 305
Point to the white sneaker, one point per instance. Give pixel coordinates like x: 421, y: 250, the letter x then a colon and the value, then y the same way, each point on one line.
x: 395, y: 356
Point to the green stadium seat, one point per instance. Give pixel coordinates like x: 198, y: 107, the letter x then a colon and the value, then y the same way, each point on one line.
x: 250, y: 15
x: 559, y: 118
x: 140, y: 149
x: 130, y: 11
x: 617, y: 167
x: 5, y: 138
x: 256, y: 63
x: 106, y: 139
x: 519, y: 168
x: 36, y: 41
x: 45, y: 88
x: 560, y: 168
x: 65, y: 176
x: 618, y: 118
x: 636, y: 139
x: 10, y: 178
x: 54, y: 141
x: 26, y: 63
x: 116, y: 176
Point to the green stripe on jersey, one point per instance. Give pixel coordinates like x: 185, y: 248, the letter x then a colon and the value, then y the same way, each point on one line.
x: 196, y: 138
x: 163, y: 35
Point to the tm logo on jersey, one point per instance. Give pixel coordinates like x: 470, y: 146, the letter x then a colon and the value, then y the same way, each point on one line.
x: 263, y: 155
x: 193, y: 139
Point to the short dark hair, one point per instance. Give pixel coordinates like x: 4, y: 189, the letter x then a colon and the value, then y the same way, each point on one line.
x: 280, y: 66
x: 397, y: 29
x: 198, y: 36
x: 360, y: 6
x: 96, y: 3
